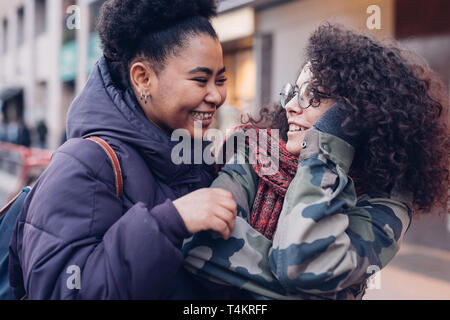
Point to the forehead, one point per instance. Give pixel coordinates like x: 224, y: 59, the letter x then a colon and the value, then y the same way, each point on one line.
x: 199, y: 51
x: 305, y: 75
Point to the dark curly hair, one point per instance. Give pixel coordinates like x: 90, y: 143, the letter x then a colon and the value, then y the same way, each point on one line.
x: 397, y: 103
x: 153, y: 29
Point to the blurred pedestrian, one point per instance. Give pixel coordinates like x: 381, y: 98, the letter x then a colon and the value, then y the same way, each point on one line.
x: 23, y: 135
x: 2, y: 131
x: 41, y: 129
x: 12, y: 132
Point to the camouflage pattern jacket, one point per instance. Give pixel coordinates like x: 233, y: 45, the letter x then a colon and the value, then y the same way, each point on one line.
x: 327, y: 243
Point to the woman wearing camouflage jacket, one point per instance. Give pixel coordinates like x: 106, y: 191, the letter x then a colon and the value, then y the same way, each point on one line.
x: 367, y: 148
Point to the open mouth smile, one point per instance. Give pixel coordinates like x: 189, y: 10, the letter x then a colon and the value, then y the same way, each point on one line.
x: 295, y: 127
x: 202, y: 115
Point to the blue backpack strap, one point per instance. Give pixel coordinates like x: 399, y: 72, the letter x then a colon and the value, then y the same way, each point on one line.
x: 8, y: 217
x: 11, y: 202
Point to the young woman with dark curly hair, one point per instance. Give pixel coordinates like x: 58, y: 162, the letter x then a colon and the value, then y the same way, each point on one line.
x: 76, y: 239
x: 364, y: 148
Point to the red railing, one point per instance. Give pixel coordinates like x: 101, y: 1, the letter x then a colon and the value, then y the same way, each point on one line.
x: 25, y: 163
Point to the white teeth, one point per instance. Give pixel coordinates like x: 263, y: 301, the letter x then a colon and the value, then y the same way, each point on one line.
x: 202, y: 115
x: 293, y: 127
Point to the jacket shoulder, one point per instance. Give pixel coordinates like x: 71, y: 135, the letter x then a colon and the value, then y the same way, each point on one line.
x: 86, y: 152
x: 77, y: 183
x: 92, y: 158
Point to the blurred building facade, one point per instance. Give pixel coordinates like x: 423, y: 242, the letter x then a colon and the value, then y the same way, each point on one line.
x: 48, y: 48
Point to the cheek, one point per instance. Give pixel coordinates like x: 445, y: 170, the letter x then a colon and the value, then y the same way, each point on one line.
x: 190, y: 97
x: 170, y: 112
x: 177, y: 95
x: 176, y: 106
x: 223, y: 91
x: 313, y: 115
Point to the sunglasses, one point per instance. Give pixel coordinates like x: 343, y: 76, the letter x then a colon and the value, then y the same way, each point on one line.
x: 303, y: 93
x: 290, y: 91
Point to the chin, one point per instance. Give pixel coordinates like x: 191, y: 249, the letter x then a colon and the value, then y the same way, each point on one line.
x: 196, y: 133
x: 293, y: 148
x: 198, y: 128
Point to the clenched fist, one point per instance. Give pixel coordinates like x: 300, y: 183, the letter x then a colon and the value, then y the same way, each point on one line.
x: 208, y: 209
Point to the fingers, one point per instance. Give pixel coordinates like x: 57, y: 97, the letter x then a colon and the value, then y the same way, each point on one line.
x: 227, y: 216
x: 221, y: 227
x: 222, y: 192
x: 226, y: 199
x: 209, y: 209
x: 229, y: 205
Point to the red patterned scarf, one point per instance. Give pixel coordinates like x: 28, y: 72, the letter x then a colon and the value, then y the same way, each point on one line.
x: 272, y: 188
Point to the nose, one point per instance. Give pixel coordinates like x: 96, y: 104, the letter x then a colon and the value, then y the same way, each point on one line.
x: 292, y: 107
x: 213, y: 96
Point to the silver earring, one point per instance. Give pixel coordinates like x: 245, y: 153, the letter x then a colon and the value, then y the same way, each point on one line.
x: 142, y: 96
x: 146, y: 99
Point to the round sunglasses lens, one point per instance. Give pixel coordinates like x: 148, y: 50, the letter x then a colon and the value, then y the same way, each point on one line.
x: 286, y: 94
x: 301, y: 95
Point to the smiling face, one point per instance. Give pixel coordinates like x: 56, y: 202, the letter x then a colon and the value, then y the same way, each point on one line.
x: 303, y: 119
x: 189, y: 88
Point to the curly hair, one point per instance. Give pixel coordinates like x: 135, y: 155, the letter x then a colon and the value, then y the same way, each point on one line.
x: 153, y: 29
x: 396, y: 102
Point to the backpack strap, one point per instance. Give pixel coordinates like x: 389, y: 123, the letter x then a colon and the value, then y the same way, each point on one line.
x: 114, y: 160
x: 11, y: 202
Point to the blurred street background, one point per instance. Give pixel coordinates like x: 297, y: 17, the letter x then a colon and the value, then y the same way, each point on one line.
x: 49, y: 47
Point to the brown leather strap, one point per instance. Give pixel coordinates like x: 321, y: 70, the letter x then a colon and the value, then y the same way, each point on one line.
x: 114, y: 160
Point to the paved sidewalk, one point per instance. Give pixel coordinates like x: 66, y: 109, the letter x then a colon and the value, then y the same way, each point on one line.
x: 416, y: 273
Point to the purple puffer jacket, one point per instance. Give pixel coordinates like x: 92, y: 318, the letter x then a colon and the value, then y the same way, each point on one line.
x: 74, y: 238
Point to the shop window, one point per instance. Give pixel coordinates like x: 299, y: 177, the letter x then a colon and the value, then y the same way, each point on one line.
x: 20, y: 26
x: 68, y: 94
x: 241, y: 71
x: 421, y: 18
x: 241, y: 86
x: 5, y: 35
x: 41, y: 99
x: 94, y: 12
x: 40, y: 17
x: 68, y: 34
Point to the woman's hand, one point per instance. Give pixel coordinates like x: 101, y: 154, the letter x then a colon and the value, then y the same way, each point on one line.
x: 208, y: 209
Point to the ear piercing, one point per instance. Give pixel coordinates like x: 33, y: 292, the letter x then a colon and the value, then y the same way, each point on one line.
x: 146, y: 97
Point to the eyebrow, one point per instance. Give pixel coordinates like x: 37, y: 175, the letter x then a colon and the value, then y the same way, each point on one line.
x: 304, y: 83
x: 206, y: 70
